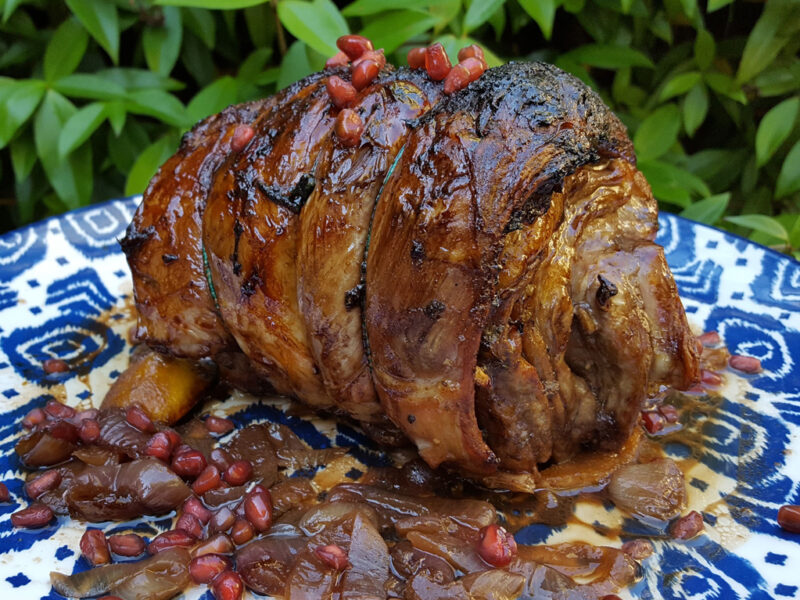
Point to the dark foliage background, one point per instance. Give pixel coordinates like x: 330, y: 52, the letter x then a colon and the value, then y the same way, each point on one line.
x: 94, y: 94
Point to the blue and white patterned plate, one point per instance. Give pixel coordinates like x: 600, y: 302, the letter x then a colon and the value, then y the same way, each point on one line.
x: 65, y: 292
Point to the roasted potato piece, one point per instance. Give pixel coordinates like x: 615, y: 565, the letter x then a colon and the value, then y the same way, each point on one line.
x: 164, y: 386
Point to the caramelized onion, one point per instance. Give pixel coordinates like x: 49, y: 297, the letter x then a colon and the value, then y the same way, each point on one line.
x: 320, y: 516
x: 495, y: 584
x: 41, y: 449
x: 253, y: 444
x: 655, y: 489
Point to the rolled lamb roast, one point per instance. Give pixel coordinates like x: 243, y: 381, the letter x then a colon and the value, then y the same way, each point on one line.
x: 473, y: 270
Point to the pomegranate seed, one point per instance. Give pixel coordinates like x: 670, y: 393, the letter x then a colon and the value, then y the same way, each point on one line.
x: 696, y: 389
x: 55, y: 409
x: 36, y: 515
x: 174, y: 439
x: 189, y: 464
x: 354, y: 45
x: 789, y: 518
x: 159, y: 447
x: 471, y: 51
x: 239, y: 472
x: 217, y: 544
x: 62, y: 430
x: 669, y: 412
x: 227, y: 586
x: 349, y: 127
x: 33, y: 418
x: 333, y: 556
x: 437, y: 64
x: 204, y: 569
x: 241, y: 137
x: 190, y: 524
x: 139, y: 419
x: 43, y: 483
x: 687, y: 526
x: 89, y: 413
x: 416, y: 58
x: 710, y: 378
x: 364, y: 73
x: 709, y: 338
x: 638, y: 549
x: 5, y: 495
x: 94, y: 548
x: 89, y: 431
x: 208, y: 480
x: 222, y: 520
x: 193, y: 506
x: 653, y: 421
x: 496, y: 546
x: 341, y: 92
x: 219, y: 425
x: 376, y: 55
x: 55, y: 365
x: 182, y: 449
x: 258, y: 508
x: 745, y: 364
x: 109, y: 598
x: 126, y: 544
x: 170, y: 539
x: 462, y: 75
x: 221, y: 459
x: 337, y: 60
x: 242, y: 532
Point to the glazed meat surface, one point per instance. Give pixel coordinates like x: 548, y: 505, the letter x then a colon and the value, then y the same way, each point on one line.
x: 478, y: 272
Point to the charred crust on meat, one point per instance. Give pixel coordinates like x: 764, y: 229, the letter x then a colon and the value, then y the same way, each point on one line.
x: 237, y: 234
x: 417, y: 252
x: 354, y: 296
x: 434, y: 310
x: 296, y: 198
x: 134, y: 239
x: 605, y: 291
x: 534, y: 207
x: 251, y: 283
x: 168, y: 259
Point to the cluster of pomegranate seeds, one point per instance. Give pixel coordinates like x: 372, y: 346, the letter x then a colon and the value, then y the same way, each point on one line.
x: 95, y: 548
x: 56, y: 410
x: 687, y: 526
x: 496, y: 546
x: 206, y: 568
x: 789, y: 518
x: 333, y: 556
x: 471, y: 65
x: 140, y: 419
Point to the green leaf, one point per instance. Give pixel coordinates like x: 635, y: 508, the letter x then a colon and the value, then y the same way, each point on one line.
x: 117, y: 114
x: 92, y: 87
x: 541, y: 11
x: 789, y: 177
x: 23, y: 156
x: 391, y: 30
x: 137, y: 79
x: 779, y: 80
x: 658, y: 132
x: 679, y: 85
x: 158, y: 104
x: 295, y: 65
x: 79, y: 127
x: 708, y: 210
x: 162, y: 45
x: 360, y: 8
x: 9, y: 8
x: 479, y: 12
x: 607, y: 56
x: 726, y: 86
x: 761, y: 223
x: 254, y: 64
x: 101, y: 20
x: 717, y: 4
x: 774, y: 128
x: 213, y: 98
x: 695, y: 108
x: 72, y: 178
x: 672, y: 184
x: 318, y: 23
x: 778, y: 22
x: 201, y: 23
x: 65, y: 50
x: 18, y: 106
x: 704, y: 49
x: 148, y: 163
x: 626, y: 6
x: 217, y: 4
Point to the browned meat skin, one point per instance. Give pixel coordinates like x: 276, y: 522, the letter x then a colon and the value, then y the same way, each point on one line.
x: 250, y: 236
x: 163, y: 245
x: 333, y: 231
x: 484, y: 160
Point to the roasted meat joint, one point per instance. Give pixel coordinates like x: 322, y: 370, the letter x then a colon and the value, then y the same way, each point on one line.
x: 471, y: 269
x: 460, y: 261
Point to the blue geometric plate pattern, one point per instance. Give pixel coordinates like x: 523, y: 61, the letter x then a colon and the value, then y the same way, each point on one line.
x: 65, y: 292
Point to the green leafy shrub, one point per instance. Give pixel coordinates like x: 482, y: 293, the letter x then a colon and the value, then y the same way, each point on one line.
x: 94, y: 94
